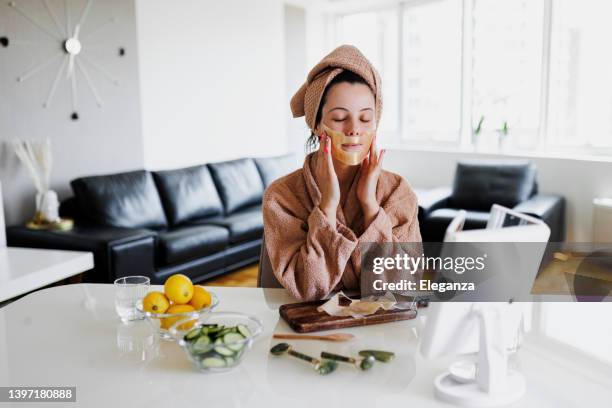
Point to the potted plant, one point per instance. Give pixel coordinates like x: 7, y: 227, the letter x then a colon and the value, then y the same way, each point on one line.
x: 502, y: 135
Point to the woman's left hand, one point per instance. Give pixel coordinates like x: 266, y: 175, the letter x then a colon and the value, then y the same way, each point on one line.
x: 368, y: 180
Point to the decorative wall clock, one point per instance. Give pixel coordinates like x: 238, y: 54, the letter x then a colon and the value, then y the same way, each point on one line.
x: 71, y: 46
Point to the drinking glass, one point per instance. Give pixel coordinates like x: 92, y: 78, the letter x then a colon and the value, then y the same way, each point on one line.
x: 129, y: 290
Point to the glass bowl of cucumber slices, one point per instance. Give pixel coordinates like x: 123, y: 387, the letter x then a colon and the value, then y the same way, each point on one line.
x: 217, y: 341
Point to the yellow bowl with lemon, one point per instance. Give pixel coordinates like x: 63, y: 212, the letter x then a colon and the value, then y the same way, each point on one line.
x: 179, y: 300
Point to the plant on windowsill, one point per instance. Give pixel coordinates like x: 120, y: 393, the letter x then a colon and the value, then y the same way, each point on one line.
x: 502, y: 135
x: 477, y: 131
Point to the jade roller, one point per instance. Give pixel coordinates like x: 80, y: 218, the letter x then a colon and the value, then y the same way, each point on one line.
x: 322, y: 367
x: 363, y: 364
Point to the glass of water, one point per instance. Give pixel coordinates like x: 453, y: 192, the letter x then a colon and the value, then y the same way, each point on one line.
x: 129, y: 290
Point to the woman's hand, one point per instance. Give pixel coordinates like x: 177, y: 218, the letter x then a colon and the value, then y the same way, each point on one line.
x: 327, y: 180
x: 368, y: 180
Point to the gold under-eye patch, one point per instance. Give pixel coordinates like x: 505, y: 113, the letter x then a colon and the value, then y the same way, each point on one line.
x: 352, y: 158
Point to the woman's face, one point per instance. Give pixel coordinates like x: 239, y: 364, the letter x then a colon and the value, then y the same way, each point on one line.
x: 349, y: 109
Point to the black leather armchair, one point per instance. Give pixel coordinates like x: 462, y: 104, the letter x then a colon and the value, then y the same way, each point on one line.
x: 201, y: 221
x: 479, y: 184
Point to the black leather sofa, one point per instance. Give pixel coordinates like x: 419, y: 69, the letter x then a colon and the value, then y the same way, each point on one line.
x: 201, y: 221
x: 478, y: 184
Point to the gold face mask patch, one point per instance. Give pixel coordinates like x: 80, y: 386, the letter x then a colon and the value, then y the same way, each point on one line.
x: 350, y: 150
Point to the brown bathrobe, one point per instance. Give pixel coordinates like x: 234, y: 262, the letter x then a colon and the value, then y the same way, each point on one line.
x: 309, y: 257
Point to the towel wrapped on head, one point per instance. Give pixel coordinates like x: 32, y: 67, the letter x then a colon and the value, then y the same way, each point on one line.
x: 306, y: 100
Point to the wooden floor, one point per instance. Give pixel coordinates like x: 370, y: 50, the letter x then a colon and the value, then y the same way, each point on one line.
x: 245, y: 277
x: 557, y: 278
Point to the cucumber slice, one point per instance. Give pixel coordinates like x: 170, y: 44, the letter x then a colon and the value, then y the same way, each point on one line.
x: 221, y: 349
x: 201, y: 345
x: 225, y: 331
x: 224, y: 351
x: 234, y: 341
x: 229, y: 361
x: 213, y: 362
x: 232, y: 338
x: 192, y: 335
x: 236, y: 348
x: 242, y: 329
x: 214, y: 331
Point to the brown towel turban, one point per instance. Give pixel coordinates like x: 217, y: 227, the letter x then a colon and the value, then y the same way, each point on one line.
x: 306, y: 100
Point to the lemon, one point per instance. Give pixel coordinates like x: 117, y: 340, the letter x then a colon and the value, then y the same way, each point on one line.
x: 167, y: 322
x: 155, y: 302
x: 179, y: 289
x: 201, y: 298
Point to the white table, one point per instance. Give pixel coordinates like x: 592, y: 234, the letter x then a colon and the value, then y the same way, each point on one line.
x: 25, y: 269
x: 70, y: 336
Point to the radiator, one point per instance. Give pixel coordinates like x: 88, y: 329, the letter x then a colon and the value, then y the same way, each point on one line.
x: 602, y: 220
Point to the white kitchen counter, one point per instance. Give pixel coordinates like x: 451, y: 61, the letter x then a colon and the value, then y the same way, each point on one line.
x: 71, y: 336
x: 25, y: 269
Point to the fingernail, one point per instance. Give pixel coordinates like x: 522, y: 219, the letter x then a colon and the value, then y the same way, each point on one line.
x: 326, y: 149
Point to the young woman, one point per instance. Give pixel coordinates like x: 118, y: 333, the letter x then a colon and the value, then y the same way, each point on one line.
x: 316, y: 217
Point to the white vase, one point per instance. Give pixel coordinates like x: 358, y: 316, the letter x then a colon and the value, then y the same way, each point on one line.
x: 47, y: 206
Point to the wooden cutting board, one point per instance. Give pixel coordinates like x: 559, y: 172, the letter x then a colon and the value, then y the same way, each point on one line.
x: 304, y: 318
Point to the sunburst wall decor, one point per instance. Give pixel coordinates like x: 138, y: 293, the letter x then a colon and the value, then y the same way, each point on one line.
x: 71, y: 50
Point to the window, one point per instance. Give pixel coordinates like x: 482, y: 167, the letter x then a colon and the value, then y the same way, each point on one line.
x: 376, y: 35
x: 538, y: 70
x: 431, y: 65
x: 581, y: 74
x: 506, y: 67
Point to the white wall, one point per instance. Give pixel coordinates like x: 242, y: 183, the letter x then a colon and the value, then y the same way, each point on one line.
x: 295, y: 73
x: 579, y: 181
x: 308, y: 39
x: 212, y: 80
x: 103, y: 140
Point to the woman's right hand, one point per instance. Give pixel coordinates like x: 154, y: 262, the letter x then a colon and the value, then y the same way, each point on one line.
x: 327, y: 180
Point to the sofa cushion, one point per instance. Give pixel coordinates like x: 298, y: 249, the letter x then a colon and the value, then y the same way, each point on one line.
x: 272, y: 168
x: 190, y: 242
x: 238, y: 183
x: 127, y: 200
x: 188, y: 193
x: 480, y: 183
x: 243, y: 225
